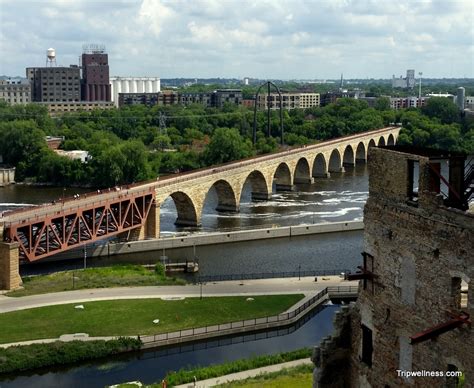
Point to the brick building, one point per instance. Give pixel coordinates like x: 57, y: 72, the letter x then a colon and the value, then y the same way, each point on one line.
x: 291, y: 100
x: 15, y: 91
x: 416, y: 292
x: 54, y: 84
x: 95, y: 83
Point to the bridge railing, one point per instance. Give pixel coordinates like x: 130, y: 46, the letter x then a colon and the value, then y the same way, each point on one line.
x: 224, y: 328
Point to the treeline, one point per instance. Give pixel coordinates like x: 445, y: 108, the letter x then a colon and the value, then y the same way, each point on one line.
x: 439, y: 125
x: 133, y: 143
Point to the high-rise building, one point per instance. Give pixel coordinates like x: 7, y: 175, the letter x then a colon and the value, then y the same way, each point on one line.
x: 95, y: 83
x: 54, y: 84
x: 407, y: 82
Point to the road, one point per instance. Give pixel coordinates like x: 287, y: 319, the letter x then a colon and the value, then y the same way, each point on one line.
x: 306, y: 286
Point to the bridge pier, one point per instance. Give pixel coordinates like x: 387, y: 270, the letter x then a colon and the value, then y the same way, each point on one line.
x: 304, y: 180
x: 322, y: 175
x: 260, y: 196
x: 281, y: 187
x: 9, y: 266
x: 152, y: 224
x: 183, y: 222
x: 228, y: 208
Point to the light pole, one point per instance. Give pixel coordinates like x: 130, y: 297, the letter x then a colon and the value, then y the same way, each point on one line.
x: 85, y: 256
x: 299, y: 271
x: 200, y: 296
x: 419, y: 90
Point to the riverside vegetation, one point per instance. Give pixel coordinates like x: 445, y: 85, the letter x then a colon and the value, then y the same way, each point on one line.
x: 127, y: 145
x: 21, y: 358
x: 186, y: 375
x: 118, y: 275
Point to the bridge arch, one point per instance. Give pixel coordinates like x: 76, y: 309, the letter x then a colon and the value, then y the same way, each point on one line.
x: 186, y: 209
x: 258, y: 184
x: 361, y: 153
x: 226, y: 197
x: 303, y: 171
x: 335, y: 161
x: 371, y: 144
x: 348, y: 156
x: 381, y: 141
x: 390, y: 140
x: 320, y: 167
x: 283, y: 178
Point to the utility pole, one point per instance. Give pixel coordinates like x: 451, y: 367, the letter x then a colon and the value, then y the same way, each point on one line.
x: 419, y: 91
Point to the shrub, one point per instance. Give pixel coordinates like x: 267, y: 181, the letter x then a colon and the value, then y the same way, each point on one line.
x: 24, y: 357
x: 160, y: 269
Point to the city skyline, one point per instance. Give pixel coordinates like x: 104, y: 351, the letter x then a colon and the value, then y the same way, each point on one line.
x: 207, y: 38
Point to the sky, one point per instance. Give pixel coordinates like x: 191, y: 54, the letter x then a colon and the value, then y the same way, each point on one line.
x: 276, y: 39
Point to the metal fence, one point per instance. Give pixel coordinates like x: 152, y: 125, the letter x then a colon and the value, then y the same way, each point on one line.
x: 270, y: 275
x: 221, y: 329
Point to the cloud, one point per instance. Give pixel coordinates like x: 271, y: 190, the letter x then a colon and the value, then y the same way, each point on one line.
x: 256, y: 38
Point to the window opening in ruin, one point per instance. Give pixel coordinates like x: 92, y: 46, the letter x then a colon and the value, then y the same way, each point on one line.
x: 413, y: 180
x: 459, y: 292
x: 367, y: 346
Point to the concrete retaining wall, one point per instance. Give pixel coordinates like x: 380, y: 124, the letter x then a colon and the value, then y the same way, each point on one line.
x: 109, y: 249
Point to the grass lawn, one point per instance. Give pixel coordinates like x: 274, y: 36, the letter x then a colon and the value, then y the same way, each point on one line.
x: 297, y: 377
x: 133, y: 317
x: 102, y: 277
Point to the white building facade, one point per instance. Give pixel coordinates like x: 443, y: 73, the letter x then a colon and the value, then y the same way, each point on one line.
x: 133, y: 85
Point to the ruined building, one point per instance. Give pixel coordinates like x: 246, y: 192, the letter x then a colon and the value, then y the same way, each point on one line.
x: 416, y: 282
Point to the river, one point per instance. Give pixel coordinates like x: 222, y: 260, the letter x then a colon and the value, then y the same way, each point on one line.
x: 338, y: 198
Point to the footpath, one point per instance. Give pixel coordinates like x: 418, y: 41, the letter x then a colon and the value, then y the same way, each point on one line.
x: 246, y: 374
x: 305, y: 285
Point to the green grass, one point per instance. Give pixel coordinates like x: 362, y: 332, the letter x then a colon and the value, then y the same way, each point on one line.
x: 102, y: 277
x: 133, y: 317
x: 18, y: 358
x: 184, y: 375
x: 298, y: 377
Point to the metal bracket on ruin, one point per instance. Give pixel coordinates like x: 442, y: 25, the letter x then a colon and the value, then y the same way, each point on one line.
x: 433, y: 332
x: 364, y: 273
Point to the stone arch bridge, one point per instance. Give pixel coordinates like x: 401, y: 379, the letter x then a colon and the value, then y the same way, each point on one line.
x: 48, y: 229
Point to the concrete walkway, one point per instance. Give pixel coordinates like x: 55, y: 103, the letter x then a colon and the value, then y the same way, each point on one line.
x: 306, y: 286
x: 246, y: 374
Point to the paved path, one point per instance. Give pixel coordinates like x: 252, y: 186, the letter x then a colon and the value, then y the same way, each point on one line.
x: 245, y: 374
x: 305, y: 286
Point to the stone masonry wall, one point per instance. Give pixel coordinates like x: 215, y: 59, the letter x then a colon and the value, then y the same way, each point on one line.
x: 418, y: 251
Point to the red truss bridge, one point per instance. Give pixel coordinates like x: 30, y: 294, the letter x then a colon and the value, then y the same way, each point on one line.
x: 80, y: 221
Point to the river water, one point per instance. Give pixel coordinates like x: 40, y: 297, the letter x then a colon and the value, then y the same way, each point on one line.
x: 338, y: 198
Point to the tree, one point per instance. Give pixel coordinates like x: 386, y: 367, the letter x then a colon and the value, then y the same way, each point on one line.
x: 441, y: 108
x: 226, y: 145
x: 382, y: 103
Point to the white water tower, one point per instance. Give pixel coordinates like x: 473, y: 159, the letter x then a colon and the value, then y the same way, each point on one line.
x: 50, y: 57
